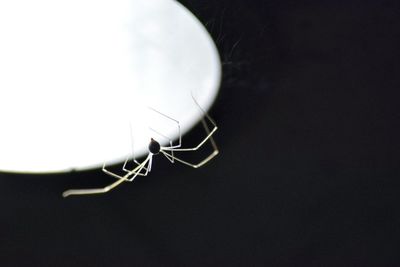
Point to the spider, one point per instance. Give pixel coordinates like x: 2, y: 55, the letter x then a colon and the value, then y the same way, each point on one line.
x: 154, y: 148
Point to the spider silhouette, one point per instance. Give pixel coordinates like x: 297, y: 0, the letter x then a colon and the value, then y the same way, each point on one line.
x: 154, y: 148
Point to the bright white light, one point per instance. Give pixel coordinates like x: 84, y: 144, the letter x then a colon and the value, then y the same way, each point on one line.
x: 74, y: 74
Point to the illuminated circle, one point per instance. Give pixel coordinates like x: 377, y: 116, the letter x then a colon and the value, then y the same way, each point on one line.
x: 75, y: 74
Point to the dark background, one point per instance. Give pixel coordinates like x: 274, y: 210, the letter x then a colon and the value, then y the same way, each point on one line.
x: 308, y: 173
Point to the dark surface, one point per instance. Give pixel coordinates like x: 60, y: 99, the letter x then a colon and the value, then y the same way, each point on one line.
x: 308, y: 173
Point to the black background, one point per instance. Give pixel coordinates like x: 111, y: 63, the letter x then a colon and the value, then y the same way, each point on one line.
x: 308, y: 173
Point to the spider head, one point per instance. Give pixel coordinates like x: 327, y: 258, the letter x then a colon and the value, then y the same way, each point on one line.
x: 154, y: 147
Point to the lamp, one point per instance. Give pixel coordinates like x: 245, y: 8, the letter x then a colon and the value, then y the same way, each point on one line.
x: 75, y: 74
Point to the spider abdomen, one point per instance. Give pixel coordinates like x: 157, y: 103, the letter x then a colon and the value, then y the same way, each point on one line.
x: 154, y: 147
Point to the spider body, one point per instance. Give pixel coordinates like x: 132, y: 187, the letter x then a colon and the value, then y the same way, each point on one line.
x: 154, y: 147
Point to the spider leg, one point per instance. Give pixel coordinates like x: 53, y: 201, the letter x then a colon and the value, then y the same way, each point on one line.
x: 209, y: 137
x: 133, y: 171
x: 207, y: 129
x: 198, y: 165
x: 177, y: 123
x: 202, y: 162
x: 137, y: 164
x: 149, y: 164
x: 133, y: 155
x: 109, y: 187
x: 168, y: 156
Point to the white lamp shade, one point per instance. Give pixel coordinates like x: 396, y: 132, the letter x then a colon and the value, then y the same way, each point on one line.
x: 75, y: 74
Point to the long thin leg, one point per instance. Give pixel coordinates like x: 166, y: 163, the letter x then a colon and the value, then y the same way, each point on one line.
x: 168, y: 156
x: 130, y: 172
x: 208, y: 137
x: 133, y: 154
x: 177, y: 123
x: 109, y: 187
x: 137, y: 163
x: 149, y: 164
x: 198, y: 165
